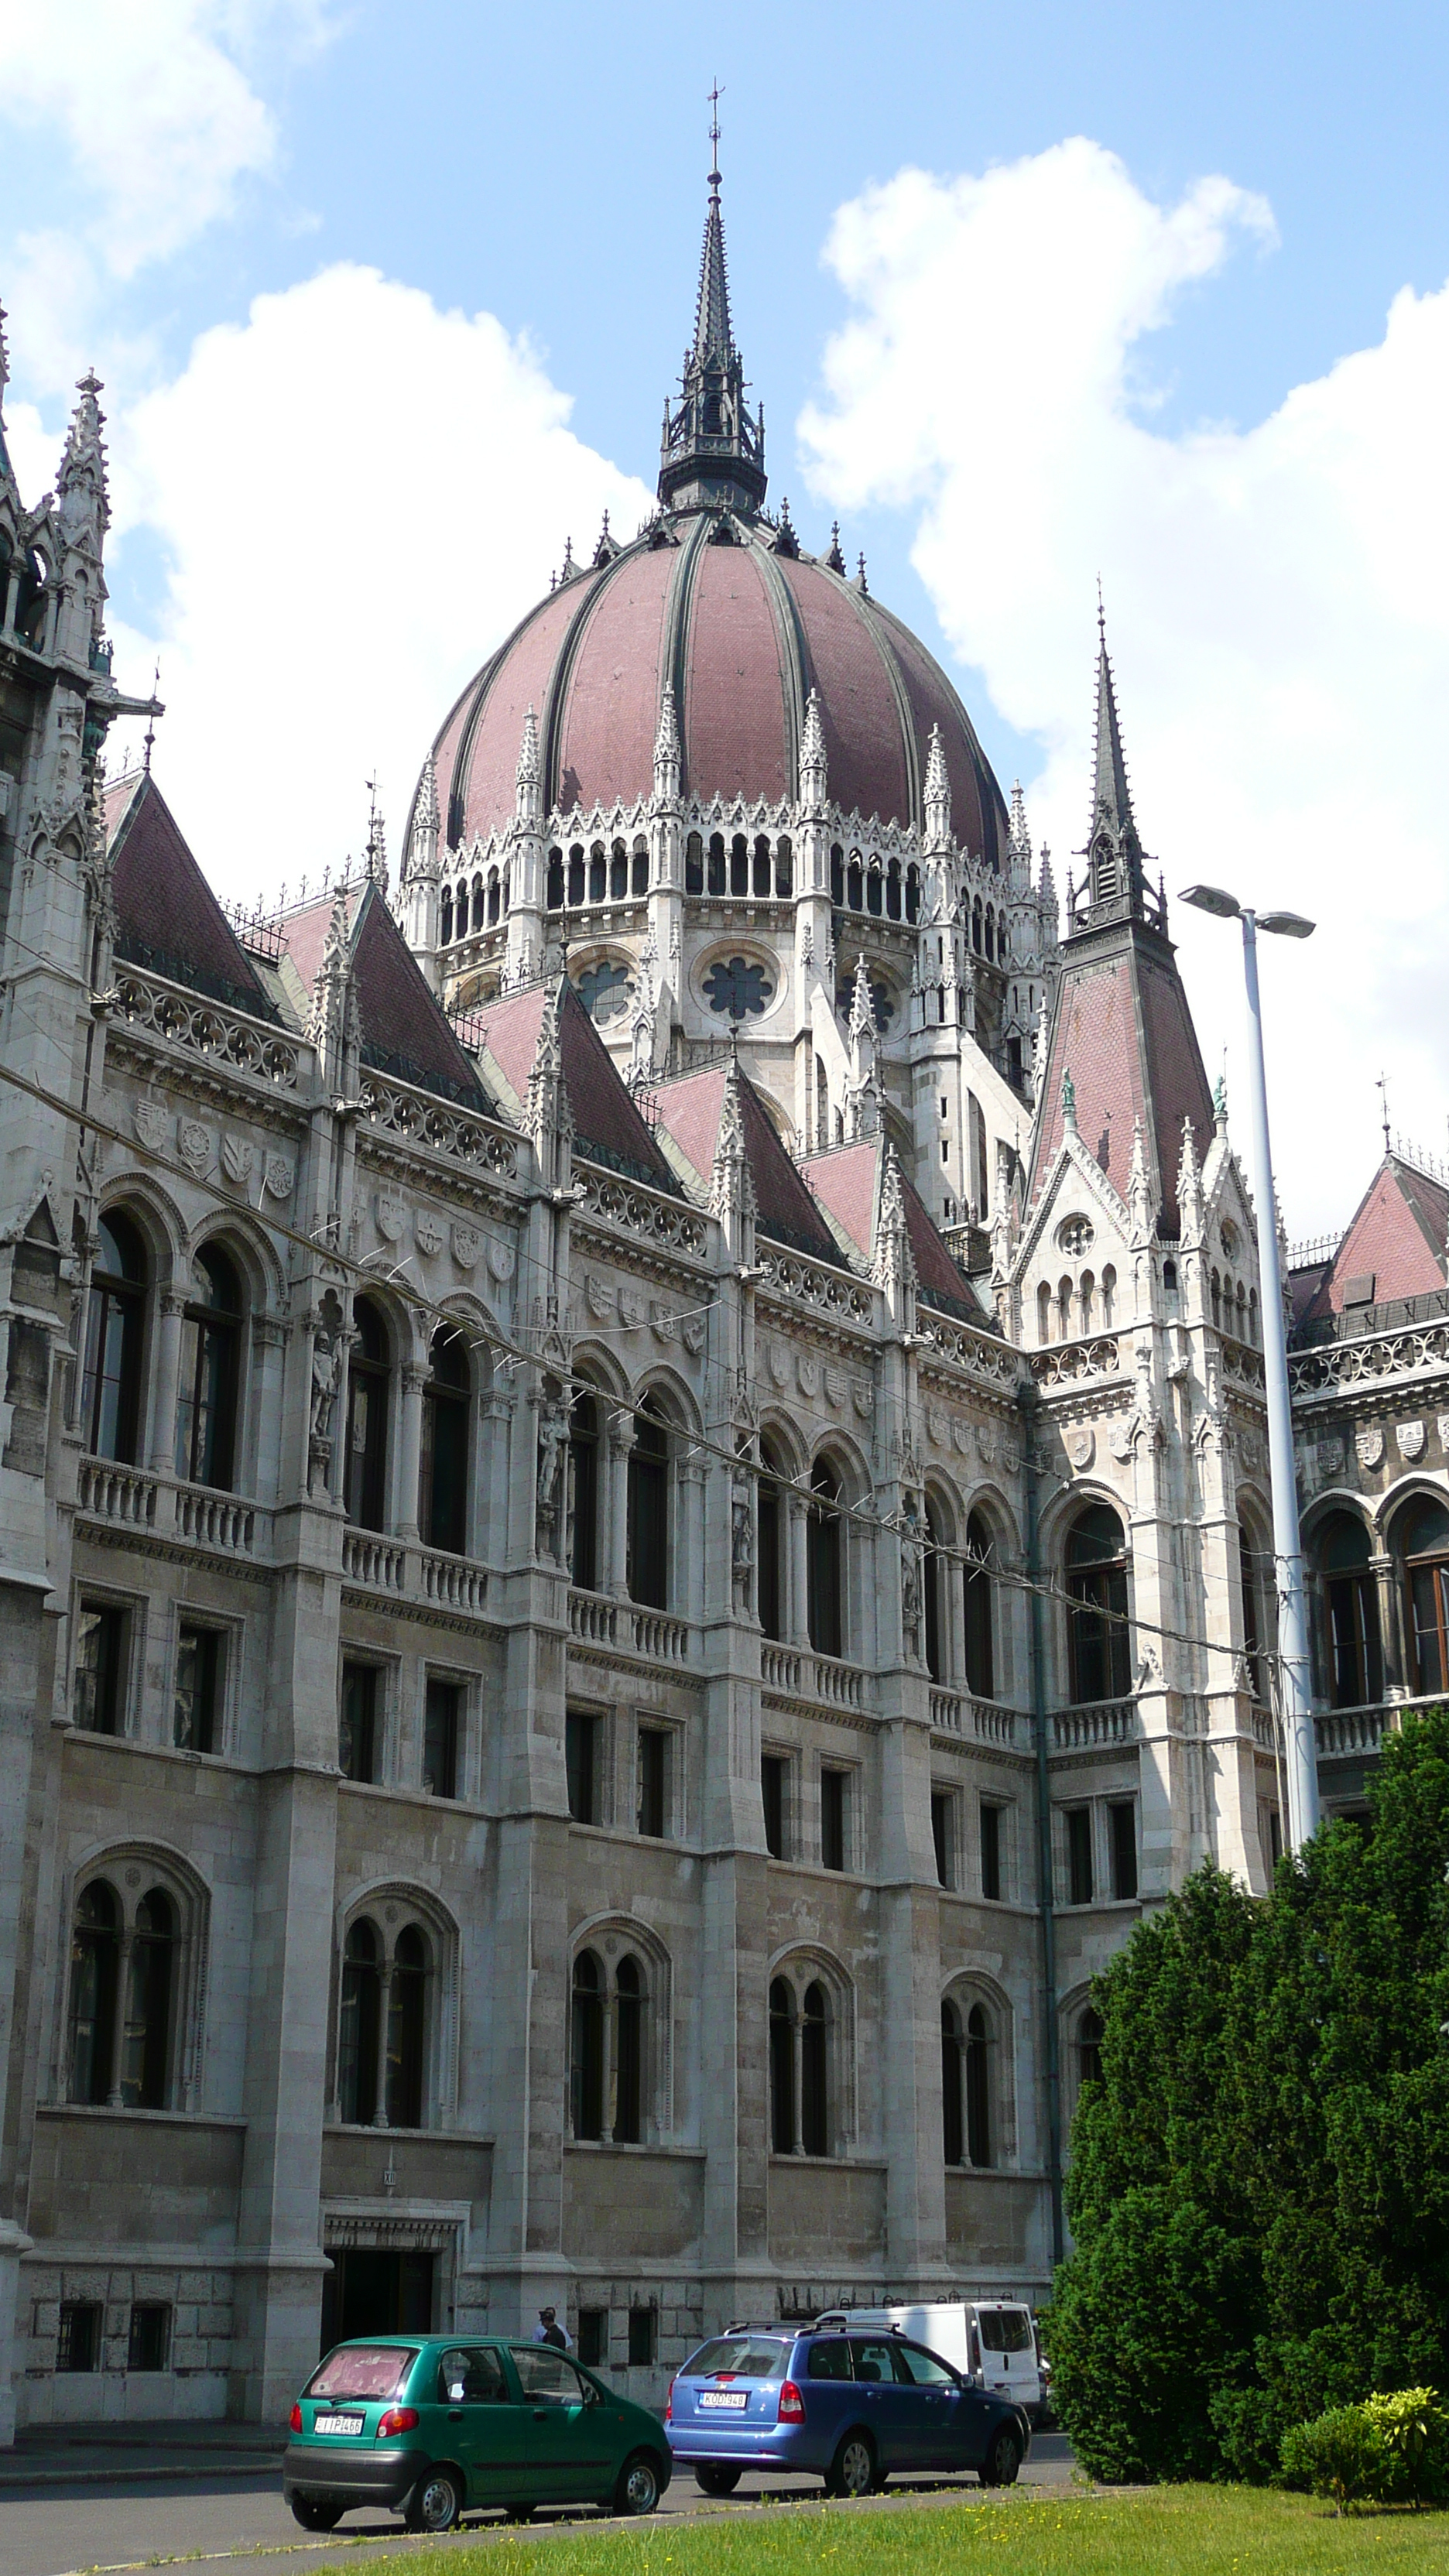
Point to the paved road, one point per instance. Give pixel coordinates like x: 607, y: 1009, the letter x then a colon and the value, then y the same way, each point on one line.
x: 53, y: 2530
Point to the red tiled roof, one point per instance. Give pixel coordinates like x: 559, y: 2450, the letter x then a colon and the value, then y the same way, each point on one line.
x: 689, y: 1109
x: 749, y: 633
x: 398, y: 1014
x: 1123, y: 1030
x: 164, y: 905
x: 1395, y: 1242
x: 607, y: 1126
x: 847, y: 1181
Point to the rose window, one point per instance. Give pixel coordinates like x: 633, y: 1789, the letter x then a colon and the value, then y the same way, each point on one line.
x: 737, y: 988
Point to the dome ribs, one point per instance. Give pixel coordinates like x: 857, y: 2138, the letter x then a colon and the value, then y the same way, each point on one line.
x: 733, y: 717
x: 860, y: 709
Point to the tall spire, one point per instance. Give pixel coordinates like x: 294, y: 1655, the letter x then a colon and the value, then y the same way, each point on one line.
x: 713, y: 451
x: 81, y: 483
x: 1114, y: 851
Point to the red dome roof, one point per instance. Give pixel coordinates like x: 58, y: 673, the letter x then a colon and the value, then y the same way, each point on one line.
x: 743, y: 633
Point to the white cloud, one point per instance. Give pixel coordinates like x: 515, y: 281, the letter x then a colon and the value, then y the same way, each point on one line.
x: 159, y: 121
x: 356, y: 496
x: 1277, y: 597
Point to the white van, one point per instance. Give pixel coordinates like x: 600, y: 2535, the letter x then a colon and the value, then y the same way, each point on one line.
x: 990, y: 2341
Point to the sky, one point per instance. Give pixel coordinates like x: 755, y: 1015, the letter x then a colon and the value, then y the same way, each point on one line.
x: 387, y: 303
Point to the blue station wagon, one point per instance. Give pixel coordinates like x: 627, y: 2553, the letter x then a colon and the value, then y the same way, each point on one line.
x: 428, y: 2424
x: 852, y: 2407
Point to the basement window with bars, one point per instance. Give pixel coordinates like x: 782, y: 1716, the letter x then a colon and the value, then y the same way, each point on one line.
x: 79, y: 2347
x: 149, y: 2346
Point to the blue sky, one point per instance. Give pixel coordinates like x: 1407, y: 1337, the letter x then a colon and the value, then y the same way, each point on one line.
x: 1255, y: 189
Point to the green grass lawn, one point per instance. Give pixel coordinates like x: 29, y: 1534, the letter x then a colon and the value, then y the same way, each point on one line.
x: 1202, y: 2531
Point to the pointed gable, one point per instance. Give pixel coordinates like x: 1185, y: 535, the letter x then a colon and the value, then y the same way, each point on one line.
x: 608, y: 1127
x: 847, y: 1182
x: 167, y: 917
x: 1123, y: 1031
x: 689, y: 1114
x: 1394, y: 1247
x: 404, y: 1029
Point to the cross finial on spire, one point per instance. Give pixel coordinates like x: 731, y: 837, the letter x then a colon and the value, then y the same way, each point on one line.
x: 1382, y: 1088
x: 149, y: 736
x: 715, y: 95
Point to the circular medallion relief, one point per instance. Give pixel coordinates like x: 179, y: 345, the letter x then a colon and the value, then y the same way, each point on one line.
x: 1075, y: 1235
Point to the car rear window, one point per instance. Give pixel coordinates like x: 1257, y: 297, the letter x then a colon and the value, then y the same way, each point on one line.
x: 1005, y: 2330
x: 363, y: 2370
x: 830, y: 2360
x: 738, y: 2357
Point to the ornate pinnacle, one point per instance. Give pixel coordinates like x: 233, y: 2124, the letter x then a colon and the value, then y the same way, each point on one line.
x: 375, y: 857
x: 891, y: 1265
x: 862, y: 1008
x: 1069, y: 1103
x: 427, y: 817
x: 81, y: 482
x: 529, y: 772
x: 936, y: 796
x: 812, y: 754
x: 834, y: 559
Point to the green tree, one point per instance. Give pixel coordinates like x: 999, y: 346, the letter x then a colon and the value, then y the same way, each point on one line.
x: 1259, y: 2185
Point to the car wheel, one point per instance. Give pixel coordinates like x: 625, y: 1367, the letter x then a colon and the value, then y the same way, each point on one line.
x: 853, y: 2470
x: 716, y: 2478
x: 637, y: 2489
x: 435, y: 2503
x: 314, y: 2515
x: 1003, y: 2458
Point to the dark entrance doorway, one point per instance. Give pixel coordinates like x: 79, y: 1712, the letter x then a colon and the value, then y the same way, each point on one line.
x: 370, y: 2293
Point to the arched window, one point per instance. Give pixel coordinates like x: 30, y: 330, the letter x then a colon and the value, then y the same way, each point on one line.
x: 1250, y: 1594
x: 479, y: 914
x: 815, y: 2072
x: 837, y: 875
x: 1100, y: 1660
x: 893, y: 891
x: 976, y: 925
x: 784, y: 868
x: 1422, y: 1539
x: 1044, y: 1312
x: 874, y: 889
x: 1109, y: 1291
x: 597, y: 880
x: 1351, y: 1647
x: 365, y: 1467
x: 586, y: 2066
x: 445, y: 917
x: 443, y: 1470
x: 1089, y: 2048
x: 913, y: 893
x: 494, y: 895
x: 555, y: 880
x: 648, y: 1568
x: 111, y: 1404
x: 854, y: 882
x: 782, y: 2068
x: 953, y: 2131
x: 359, y: 2025
x: 694, y: 864
x: 576, y: 874
x: 739, y: 865
x: 210, y: 1356
x: 95, y: 1953
x: 823, y: 1549
x: 618, y: 873
x: 979, y: 1608
x: 407, y: 1995
x: 978, y: 2087
x: 762, y: 869
x: 769, y: 1546
x: 716, y: 863
x: 933, y: 1585
x: 629, y: 2052
x: 640, y: 883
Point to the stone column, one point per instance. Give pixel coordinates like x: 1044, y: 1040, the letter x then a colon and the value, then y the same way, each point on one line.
x: 165, y: 1386
x: 409, y: 1449
x: 1398, y: 1679
x: 621, y: 1443
x: 797, y: 1605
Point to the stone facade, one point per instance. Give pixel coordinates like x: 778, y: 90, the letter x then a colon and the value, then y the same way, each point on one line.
x: 589, y: 1668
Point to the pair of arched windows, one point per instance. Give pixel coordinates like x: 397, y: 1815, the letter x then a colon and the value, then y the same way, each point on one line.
x: 647, y: 1514
x: 444, y: 1440
x: 382, y: 2027
x: 608, y: 2038
x: 968, y: 2112
x: 209, y: 1364
x: 978, y: 1602
x: 825, y: 1603
x: 122, y: 1998
x: 1349, y: 1639
x: 1099, y: 1655
x: 801, y: 2037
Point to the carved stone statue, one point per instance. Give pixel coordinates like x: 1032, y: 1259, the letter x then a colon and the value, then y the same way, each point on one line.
x: 911, y: 1583
x: 742, y: 1542
x: 552, y: 1444
x: 326, y: 1372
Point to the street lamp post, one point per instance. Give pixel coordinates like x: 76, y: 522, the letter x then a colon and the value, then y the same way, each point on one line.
x: 1301, y: 1762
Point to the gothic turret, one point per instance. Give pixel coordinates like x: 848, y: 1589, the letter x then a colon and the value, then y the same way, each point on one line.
x: 713, y: 449
x: 1116, y: 880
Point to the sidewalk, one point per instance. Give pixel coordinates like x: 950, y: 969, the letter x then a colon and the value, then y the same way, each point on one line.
x: 55, y: 2455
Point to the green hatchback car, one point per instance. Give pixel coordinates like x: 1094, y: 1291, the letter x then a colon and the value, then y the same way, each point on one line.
x: 431, y: 2424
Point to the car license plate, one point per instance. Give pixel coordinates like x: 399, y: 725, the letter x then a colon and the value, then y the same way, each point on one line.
x: 737, y: 2399
x: 338, y: 2423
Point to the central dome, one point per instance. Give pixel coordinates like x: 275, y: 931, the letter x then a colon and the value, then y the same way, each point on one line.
x: 712, y: 607
x: 715, y: 607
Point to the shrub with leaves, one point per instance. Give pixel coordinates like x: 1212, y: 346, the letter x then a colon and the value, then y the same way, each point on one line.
x: 1390, y: 2449
x: 1259, y: 2181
